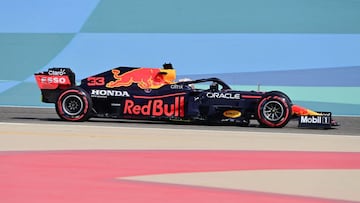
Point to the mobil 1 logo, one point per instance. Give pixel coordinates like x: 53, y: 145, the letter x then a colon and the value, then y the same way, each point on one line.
x: 323, y: 120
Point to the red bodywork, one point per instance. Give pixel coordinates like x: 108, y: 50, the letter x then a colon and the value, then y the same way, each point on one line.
x: 52, y: 82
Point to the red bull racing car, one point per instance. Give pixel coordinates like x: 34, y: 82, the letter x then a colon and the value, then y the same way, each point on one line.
x: 153, y: 94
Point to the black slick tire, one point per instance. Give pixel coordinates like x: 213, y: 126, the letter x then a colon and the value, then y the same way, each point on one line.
x: 274, y: 110
x: 74, y: 104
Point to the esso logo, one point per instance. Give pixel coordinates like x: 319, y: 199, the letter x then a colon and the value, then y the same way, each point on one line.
x: 54, y: 80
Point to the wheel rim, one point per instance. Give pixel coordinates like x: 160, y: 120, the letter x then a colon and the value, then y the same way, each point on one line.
x: 72, y: 105
x: 273, y: 111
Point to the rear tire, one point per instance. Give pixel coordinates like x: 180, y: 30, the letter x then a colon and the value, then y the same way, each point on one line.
x: 74, y: 104
x: 274, y: 110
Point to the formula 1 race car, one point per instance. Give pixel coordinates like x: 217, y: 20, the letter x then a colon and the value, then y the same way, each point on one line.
x: 153, y: 94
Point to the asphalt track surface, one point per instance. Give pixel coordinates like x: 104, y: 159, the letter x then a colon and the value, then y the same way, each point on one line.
x: 348, y: 125
x: 44, y: 159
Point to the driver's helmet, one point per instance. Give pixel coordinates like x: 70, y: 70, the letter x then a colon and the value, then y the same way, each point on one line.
x: 214, y: 87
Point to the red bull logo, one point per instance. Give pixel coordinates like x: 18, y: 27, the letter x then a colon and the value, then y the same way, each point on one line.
x: 145, y: 78
x: 156, y: 107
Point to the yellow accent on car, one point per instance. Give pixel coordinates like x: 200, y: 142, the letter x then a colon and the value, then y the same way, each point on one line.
x: 232, y: 113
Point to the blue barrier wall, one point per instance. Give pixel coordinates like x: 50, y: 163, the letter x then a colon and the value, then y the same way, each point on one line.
x: 309, y: 49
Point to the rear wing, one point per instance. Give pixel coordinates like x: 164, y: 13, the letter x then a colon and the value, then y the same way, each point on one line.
x: 53, y: 81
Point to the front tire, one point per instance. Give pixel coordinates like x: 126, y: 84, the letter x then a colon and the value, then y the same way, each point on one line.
x: 274, y: 110
x: 74, y: 104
